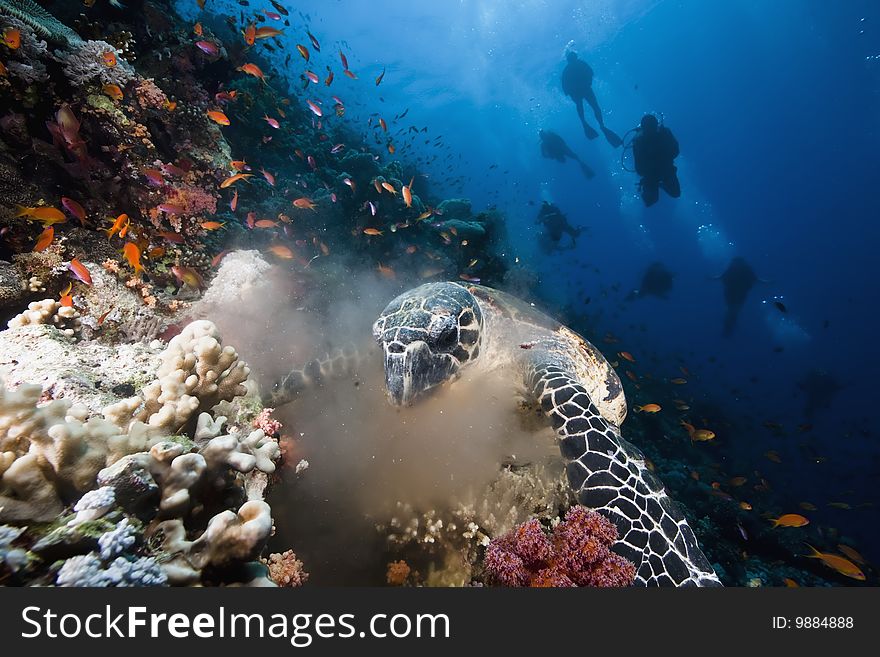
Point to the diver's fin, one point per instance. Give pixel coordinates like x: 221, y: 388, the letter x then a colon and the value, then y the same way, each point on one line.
x: 588, y: 172
x: 589, y: 132
x: 612, y: 137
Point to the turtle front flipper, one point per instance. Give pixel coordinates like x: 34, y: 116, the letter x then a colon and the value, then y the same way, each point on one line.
x: 608, y: 474
x: 335, y: 365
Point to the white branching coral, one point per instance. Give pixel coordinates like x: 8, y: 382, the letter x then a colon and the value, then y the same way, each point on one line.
x: 117, y: 540
x: 196, y: 372
x: 94, y: 504
x: 48, y: 311
x: 88, y: 570
x: 229, y: 537
x: 47, y: 454
x: 148, y: 467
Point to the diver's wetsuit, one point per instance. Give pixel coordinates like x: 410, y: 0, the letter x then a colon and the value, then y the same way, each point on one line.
x: 554, y: 147
x: 556, y: 224
x: 577, y: 83
x: 653, y: 153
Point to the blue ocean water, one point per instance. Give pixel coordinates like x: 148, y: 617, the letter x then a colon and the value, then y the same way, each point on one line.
x: 775, y: 107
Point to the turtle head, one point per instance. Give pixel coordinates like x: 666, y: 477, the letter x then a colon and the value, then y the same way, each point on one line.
x: 427, y: 334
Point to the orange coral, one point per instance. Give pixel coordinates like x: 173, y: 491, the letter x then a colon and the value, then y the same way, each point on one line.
x: 397, y: 573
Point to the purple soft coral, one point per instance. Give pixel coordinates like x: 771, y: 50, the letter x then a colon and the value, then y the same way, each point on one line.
x: 576, y: 554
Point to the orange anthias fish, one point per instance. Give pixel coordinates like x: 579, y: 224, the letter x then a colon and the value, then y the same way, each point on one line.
x: 350, y: 74
x: 679, y: 381
x: 239, y: 165
x: 170, y: 236
x: 212, y: 225
x: 252, y: 69
x: 281, y: 251
x: 304, y: 203
x: 65, y: 298
x: 851, y: 553
x: 807, y: 506
x: 268, y: 176
x: 113, y: 91
x: 218, y: 117
x: 197, y: 29
x: 188, y: 276
x: 80, y: 272
x: 46, y: 215
x: 303, y: 51
x: 266, y: 223
x: 234, y: 202
x: 840, y: 564
x: 217, y: 259
x: 372, y: 231
x: 133, y: 255
x: 379, y: 79
x: 790, y: 520
x: 12, y: 38
x: 121, y: 221
x: 389, y: 187
x: 231, y: 180
x: 407, y: 194
x: 250, y: 33
x: 267, y: 32
x: 773, y: 456
x: 738, y: 481
x: 697, y: 435
x: 648, y: 408
x: 74, y: 208
x: 109, y: 58
x: 45, y: 239
x: 626, y: 356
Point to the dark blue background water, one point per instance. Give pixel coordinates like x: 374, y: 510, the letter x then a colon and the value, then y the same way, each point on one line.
x: 776, y: 107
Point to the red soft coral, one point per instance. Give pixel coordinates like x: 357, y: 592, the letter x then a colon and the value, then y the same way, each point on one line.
x: 576, y: 554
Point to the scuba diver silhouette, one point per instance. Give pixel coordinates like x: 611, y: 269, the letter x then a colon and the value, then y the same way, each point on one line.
x: 654, y: 149
x: 577, y: 83
x: 555, y: 148
x: 555, y: 224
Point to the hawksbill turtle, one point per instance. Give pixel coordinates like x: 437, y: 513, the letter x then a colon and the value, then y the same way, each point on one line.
x: 432, y: 332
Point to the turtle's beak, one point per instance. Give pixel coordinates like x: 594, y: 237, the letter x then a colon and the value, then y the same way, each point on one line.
x: 413, y: 371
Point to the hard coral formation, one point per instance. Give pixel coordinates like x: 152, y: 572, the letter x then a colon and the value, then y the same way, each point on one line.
x: 49, y: 311
x: 127, y: 503
x: 195, y: 373
x: 577, y: 553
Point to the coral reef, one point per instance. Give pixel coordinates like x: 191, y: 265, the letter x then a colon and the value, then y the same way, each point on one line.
x: 125, y: 503
x: 285, y: 569
x: 195, y: 373
x: 577, y: 553
x: 86, y: 62
x: 40, y: 21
